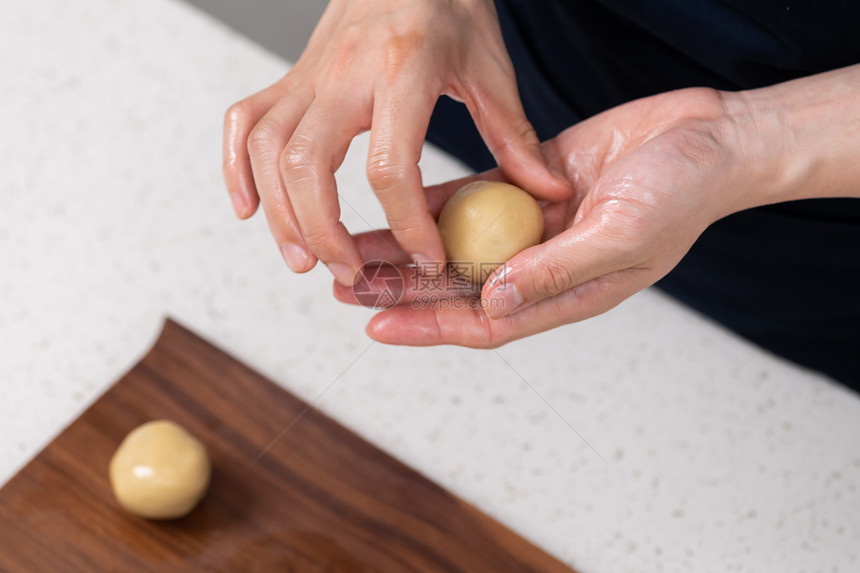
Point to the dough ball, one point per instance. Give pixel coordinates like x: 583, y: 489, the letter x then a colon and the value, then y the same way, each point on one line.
x: 486, y: 223
x: 160, y: 471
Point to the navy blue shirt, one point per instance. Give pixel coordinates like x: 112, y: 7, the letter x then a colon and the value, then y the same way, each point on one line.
x: 785, y: 276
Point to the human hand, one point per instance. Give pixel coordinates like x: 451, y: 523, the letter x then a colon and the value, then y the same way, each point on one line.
x: 378, y: 65
x: 648, y: 178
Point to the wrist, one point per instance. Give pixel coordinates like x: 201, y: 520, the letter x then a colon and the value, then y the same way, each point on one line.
x: 765, y: 147
x: 799, y: 139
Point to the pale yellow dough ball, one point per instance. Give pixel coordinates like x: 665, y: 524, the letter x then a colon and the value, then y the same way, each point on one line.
x: 160, y: 471
x: 486, y: 223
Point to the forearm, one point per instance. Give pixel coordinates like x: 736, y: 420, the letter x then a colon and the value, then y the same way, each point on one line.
x: 803, y: 137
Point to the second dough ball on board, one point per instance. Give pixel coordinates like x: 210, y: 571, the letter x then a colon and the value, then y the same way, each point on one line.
x: 486, y: 223
x: 160, y: 471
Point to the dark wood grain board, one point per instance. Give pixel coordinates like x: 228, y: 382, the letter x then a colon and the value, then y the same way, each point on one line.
x: 321, y: 499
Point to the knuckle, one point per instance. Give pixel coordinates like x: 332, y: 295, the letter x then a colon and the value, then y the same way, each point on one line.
x: 352, y: 37
x: 525, y: 132
x: 400, y: 49
x: 551, y: 279
x: 263, y: 138
x: 319, y: 235
x: 296, y: 161
x: 384, y: 171
x: 238, y: 113
x: 282, y: 225
x: 407, y: 222
x: 344, y: 55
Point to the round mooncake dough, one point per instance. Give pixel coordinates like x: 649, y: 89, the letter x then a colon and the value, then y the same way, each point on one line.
x: 160, y: 471
x: 486, y: 223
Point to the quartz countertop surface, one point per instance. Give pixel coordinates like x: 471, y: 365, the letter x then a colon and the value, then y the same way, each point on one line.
x: 646, y: 439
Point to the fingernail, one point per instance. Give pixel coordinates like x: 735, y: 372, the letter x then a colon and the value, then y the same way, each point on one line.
x: 343, y: 273
x: 295, y: 256
x: 503, y: 300
x: 239, y: 206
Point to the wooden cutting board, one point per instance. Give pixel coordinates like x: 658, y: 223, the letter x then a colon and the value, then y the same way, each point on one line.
x: 321, y: 499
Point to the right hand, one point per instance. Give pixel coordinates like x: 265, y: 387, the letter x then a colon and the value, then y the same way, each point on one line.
x: 378, y: 65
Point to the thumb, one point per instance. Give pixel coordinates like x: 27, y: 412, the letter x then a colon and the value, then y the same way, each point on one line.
x: 580, y: 254
x: 499, y: 116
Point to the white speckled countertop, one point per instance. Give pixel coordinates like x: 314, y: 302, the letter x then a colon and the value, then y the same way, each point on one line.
x: 113, y: 215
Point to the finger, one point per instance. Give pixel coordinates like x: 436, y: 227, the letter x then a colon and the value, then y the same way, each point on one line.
x: 240, y: 119
x: 470, y: 327
x: 415, y: 286
x: 585, y: 251
x: 307, y: 165
x: 265, y: 145
x: 499, y: 116
x: 380, y: 245
x: 400, y: 122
